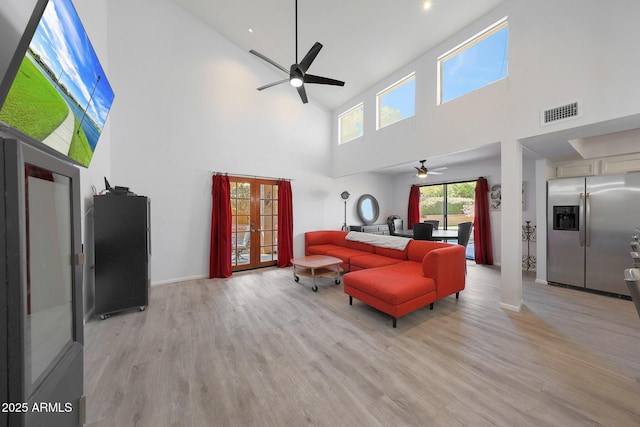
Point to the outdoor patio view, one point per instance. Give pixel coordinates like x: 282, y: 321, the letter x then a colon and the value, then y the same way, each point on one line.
x: 450, y: 204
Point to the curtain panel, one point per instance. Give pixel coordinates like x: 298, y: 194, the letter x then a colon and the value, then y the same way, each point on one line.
x: 220, y: 250
x: 482, y: 224
x: 285, y: 224
x: 413, y: 213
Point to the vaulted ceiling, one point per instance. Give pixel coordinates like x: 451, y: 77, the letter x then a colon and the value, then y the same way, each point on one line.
x: 364, y: 40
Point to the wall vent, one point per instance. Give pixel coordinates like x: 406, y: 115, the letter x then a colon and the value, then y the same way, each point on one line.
x: 564, y: 112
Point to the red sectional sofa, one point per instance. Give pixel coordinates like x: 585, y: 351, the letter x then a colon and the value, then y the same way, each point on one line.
x: 394, y: 281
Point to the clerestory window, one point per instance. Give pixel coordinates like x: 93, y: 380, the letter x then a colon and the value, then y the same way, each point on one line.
x: 476, y: 63
x: 397, y: 102
x: 351, y: 124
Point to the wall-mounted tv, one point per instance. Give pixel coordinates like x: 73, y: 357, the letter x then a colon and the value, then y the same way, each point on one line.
x: 57, y: 93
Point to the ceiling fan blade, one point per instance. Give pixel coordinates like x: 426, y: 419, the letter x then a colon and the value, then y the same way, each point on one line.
x: 439, y: 169
x: 275, y: 64
x: 303, y: 94
x: 310, y: 56
x: 309, y: 78
x: 435, y: 173
x: 273, y: 84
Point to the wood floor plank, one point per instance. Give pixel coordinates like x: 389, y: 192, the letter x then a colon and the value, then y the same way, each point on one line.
x: 258, y: 349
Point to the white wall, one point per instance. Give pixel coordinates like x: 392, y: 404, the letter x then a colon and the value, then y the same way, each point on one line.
x: 93, y: 16
x: 558, y: 53
x: 14, y: 16
x: 378, y: 185
x: 186, y: 105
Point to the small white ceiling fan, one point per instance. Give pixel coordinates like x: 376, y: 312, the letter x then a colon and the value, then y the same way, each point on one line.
x: 423, y: 172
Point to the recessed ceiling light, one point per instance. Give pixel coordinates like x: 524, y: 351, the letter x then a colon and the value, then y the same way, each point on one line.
x: 250, y: 30
x: 426, y: 5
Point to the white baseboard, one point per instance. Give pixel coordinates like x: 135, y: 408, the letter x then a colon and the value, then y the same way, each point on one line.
x: 180, y: 279
x: 88, y: 316
x: 510, y: 307
x: 542, y: 282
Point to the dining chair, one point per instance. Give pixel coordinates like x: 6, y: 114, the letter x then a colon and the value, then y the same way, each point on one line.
x: 422, y: 231
x: 435, y: 222
x: 464, y: 234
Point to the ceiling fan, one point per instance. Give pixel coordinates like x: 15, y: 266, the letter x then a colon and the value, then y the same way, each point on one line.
x: 298, y: 71
x: 423, y: 171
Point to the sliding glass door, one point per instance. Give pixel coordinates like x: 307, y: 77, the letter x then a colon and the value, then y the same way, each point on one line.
x: 449, y: 203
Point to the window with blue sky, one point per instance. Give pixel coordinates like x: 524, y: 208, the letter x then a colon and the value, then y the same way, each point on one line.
x: 476, y: 63
x: 397, y: 102
x: 351, y: 124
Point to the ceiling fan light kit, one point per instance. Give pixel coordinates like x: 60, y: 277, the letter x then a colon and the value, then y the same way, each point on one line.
x: 298, y: 71
x: 423, y: 172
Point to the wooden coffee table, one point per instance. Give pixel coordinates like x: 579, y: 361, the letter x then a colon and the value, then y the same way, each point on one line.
x: 316, y: 266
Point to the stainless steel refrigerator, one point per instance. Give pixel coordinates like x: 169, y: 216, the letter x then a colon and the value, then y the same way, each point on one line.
x: 590, y: 224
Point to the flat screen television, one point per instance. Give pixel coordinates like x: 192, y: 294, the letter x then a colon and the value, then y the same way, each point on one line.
x: 56, y: 93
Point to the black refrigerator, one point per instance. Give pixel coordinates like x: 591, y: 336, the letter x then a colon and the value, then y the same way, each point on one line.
x: 122, y: 253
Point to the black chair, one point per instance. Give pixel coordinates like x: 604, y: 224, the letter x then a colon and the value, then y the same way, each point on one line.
x: 435, y: 222
x: 464, y: 233
x: 422, y: 231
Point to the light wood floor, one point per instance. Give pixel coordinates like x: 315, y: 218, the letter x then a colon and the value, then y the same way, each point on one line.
x: 260, y: 350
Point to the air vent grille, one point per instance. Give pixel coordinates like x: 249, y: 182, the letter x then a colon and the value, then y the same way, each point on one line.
x: 564, y: 112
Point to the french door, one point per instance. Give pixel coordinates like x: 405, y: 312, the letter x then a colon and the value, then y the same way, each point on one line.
x: 254, y: 223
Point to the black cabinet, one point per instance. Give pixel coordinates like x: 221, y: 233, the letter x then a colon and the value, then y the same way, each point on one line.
x: 122, y: 249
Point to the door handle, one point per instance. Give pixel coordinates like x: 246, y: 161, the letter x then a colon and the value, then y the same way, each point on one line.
x: 581, y: 219
x: 588, y: 218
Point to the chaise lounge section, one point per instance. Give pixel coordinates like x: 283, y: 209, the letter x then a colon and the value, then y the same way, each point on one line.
x: 394, y: 281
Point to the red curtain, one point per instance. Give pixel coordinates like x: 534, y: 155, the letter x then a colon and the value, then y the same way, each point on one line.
x: 413, y: 214
x: 285, y: 224
x: 482, y: 225
x: 220, y: 252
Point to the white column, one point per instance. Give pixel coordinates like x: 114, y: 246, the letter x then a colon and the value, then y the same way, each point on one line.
x: 544, y: 171
x: 511, y: 225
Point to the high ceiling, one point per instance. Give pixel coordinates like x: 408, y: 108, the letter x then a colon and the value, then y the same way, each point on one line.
x: 364, y: 40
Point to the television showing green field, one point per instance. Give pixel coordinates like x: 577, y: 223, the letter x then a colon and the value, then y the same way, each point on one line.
x: 60, y: 95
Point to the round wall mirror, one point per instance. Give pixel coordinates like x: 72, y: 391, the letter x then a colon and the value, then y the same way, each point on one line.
x: 368, y: 209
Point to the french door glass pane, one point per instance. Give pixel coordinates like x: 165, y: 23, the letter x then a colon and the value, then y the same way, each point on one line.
x: 240, y: 215
x: 268, y: 222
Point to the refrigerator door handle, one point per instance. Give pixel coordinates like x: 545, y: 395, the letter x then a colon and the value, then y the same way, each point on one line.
x: 588, y: 219
x: 580, y: 219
